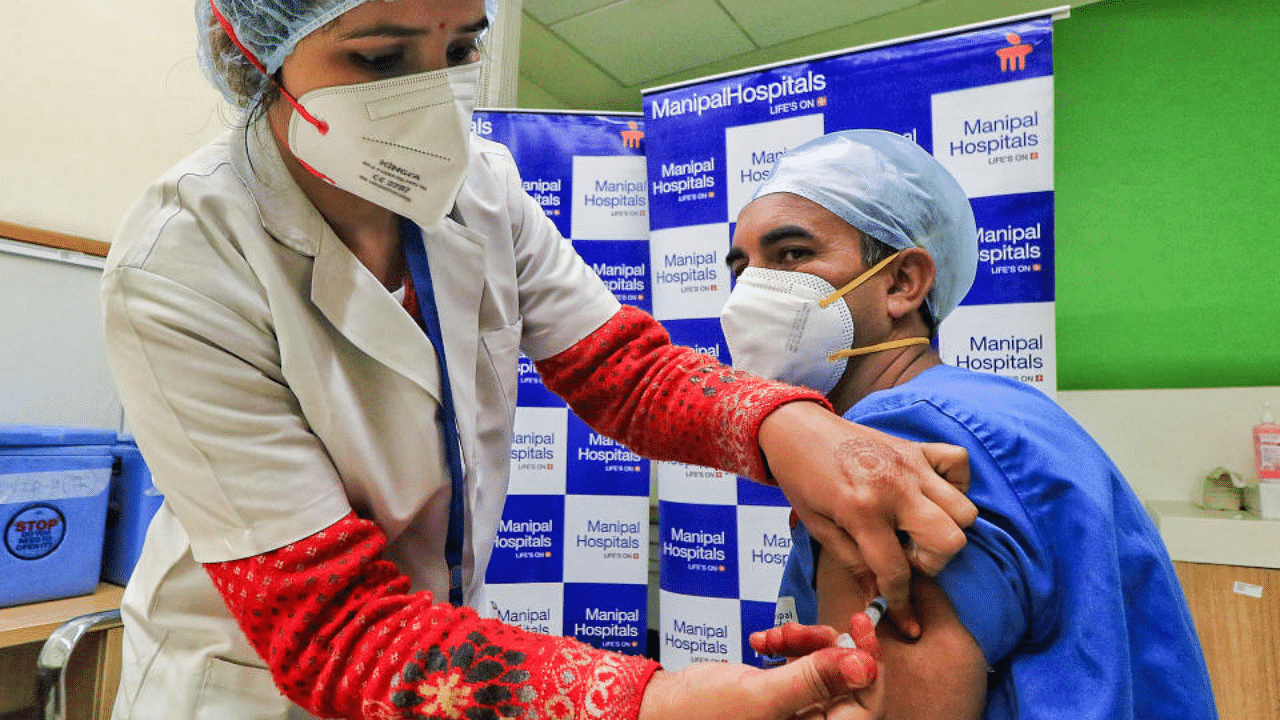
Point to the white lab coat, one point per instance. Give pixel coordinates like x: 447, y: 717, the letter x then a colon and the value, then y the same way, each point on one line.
x: 274, y: 385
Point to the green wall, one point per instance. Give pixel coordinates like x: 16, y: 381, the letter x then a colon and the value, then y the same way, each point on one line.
x: 1168, y: 194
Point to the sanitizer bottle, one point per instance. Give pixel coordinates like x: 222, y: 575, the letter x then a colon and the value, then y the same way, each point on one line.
x: 1266, y: 447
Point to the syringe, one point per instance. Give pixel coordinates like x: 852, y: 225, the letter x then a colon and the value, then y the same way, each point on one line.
x: 874, y: 611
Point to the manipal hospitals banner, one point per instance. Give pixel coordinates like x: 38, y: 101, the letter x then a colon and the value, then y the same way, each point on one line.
x: 572, y: 552
x: 981, y: 100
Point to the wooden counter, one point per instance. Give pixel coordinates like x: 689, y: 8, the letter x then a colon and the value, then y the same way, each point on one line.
x: 23, y: 624
x: 94, y: 670
x: 1237, y: 615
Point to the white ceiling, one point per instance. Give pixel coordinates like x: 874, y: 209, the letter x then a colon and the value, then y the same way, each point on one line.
x: 599, y: 54
x: 638, y: 40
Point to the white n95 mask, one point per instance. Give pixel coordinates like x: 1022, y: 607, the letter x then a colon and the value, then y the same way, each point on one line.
x: 794, y: 327
x: 401, y: 143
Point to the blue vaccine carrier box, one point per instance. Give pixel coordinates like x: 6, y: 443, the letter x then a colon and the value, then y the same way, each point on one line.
x: 54, y: 484
x: 133, y: 502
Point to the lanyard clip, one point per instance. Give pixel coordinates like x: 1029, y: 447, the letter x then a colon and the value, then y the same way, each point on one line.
x: 455, y: 585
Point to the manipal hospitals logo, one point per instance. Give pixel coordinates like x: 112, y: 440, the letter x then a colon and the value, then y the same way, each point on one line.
x: 632, y: 136
x: 1014, y: 57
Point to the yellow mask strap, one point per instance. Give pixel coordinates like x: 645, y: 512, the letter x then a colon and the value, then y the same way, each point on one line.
x: 852, y: 352
x: 824, y: 302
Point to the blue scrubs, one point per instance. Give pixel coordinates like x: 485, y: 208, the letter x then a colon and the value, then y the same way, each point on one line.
x: 1064, y: 583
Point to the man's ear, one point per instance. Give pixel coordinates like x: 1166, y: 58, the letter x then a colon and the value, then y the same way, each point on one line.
x: 911, y: 279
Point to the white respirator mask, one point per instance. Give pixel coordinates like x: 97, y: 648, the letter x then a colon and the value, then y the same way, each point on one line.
x: 400, y: 143
x: 795, y: 327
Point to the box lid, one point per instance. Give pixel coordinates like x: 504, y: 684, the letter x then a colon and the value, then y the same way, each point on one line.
x: 48, y: 435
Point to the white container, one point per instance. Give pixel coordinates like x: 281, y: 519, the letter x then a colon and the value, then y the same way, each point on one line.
x: 1268, y: 504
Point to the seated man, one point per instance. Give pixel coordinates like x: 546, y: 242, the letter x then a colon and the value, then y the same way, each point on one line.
x: 1063, y: 603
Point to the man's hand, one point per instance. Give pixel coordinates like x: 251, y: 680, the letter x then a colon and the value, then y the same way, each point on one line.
x: 828, y: 682
x: 854, y: 487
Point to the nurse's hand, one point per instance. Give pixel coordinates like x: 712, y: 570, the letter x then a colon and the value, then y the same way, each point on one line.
x: 829, y: 683
x: 794, y: 641
x: 854, y: 487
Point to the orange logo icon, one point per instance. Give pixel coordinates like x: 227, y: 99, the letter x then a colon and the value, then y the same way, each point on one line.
x: 1014, y: 57
x: 631, y: 138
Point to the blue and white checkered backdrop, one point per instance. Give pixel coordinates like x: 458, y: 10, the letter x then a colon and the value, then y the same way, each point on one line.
x: 981, y: 100
x: 572, y: 552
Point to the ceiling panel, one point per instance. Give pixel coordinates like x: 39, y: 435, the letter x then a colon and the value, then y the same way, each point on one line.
x: 553, y: 11
x: 769, y: 22
x: 588, y: 78
x: 548, y: 62
x: 638, y: 40
x: 531, y: 95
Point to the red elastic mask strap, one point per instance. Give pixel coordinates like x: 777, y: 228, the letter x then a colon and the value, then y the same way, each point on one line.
x: 320, y: 125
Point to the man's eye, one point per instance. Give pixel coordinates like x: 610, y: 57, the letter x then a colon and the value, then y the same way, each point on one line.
x: 793, y: 254
x: 464, y: 53
x: 379, y: 62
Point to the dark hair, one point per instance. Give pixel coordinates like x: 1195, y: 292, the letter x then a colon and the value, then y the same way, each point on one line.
x: 253, y: 91
x: 873, y: 251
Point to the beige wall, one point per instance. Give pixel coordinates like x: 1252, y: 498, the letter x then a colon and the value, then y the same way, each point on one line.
x: 1164, y: 441
x: 100, y: 98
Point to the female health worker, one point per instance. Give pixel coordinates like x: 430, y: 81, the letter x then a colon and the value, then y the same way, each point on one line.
x: 314, y: 324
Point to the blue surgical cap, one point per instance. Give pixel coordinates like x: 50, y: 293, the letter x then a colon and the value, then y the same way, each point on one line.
x: 889, y: 188
x: 270, y: 29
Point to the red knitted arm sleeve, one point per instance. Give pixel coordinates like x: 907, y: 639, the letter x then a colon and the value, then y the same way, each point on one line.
x: 626, y: 380
x: 344, y: 638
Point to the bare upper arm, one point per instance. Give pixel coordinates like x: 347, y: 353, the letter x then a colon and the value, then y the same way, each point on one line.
x: 943, y: 674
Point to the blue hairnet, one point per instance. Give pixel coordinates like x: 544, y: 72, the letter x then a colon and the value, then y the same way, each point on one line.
x: 270, y: 29
x: 889, y: 188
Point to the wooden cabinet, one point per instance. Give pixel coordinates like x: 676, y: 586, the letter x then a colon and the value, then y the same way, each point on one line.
x: 93, y: 672
x: 1237, y: 614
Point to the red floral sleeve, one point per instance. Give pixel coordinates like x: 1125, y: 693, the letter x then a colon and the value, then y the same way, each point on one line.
x: 664, y: 401
x: 345, y: 638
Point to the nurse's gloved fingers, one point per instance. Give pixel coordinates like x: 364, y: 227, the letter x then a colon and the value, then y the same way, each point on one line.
x: 793, y: 639
x: 860, y: 670
x: 801, y: 686
x: 864, y: 634
x: 850, y: 708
